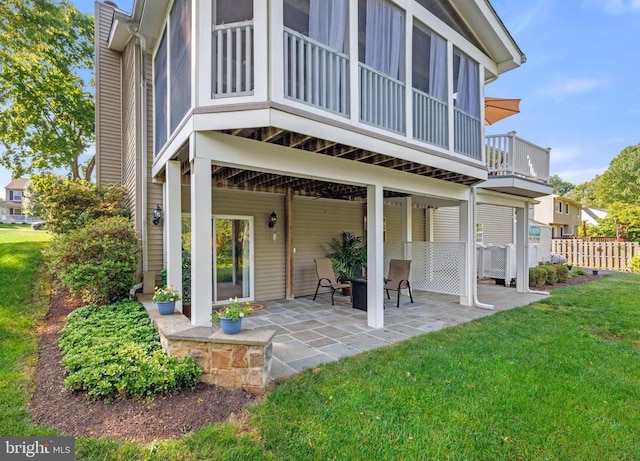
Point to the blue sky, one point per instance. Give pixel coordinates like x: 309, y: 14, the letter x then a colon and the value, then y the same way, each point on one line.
x: 580, y: 86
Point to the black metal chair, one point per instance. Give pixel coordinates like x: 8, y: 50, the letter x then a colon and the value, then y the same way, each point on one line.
x: 327, y: 278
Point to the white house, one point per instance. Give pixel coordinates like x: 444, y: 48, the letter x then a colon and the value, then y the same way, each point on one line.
x: 258, y: 130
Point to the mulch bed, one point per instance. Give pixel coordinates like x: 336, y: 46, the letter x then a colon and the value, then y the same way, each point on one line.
x: 166, y: 417
x: 573, y: 281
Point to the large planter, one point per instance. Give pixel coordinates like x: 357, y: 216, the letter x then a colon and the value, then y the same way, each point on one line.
x: 166, y: 307
x: 230, y: 327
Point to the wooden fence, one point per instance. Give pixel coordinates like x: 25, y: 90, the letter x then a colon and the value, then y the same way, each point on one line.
x: 615, y: 256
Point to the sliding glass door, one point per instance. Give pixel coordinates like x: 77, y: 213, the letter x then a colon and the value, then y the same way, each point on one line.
x: 232, y: 258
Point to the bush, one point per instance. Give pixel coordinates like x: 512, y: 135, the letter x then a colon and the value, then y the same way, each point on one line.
x: 562, y: 272
x: 635, y: 264
x: 66, y: 204
x: 552, y: 274
x: 97, y: 262
x: 537, y: 276
x: 114, y: 352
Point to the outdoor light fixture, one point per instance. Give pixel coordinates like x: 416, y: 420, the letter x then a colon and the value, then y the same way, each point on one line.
x: 271, y: 224
x: 157, y: 214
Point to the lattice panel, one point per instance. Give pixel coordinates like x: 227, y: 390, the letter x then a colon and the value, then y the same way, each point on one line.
x: 498, y: 261
x: 435, y: 266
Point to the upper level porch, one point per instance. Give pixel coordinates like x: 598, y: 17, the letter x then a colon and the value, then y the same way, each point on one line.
x: 410, y: 71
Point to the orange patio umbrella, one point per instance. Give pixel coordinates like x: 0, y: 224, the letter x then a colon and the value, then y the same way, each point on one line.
x: 498, y: 108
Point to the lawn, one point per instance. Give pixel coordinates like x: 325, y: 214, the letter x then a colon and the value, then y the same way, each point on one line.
x: 558, y: 379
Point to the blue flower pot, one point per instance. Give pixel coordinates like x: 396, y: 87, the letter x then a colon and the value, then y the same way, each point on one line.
x: 230, y: 327
x: 166, y: 307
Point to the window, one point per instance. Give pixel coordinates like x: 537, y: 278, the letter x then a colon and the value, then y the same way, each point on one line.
x: 466, y: 84
x: 479, y: 232
x: 15, y: 195
x: 324, y: 21
x: 559, y: 207
x: 566, y: 208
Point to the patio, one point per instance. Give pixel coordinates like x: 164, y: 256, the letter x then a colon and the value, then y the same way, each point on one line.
x: 309, y: 332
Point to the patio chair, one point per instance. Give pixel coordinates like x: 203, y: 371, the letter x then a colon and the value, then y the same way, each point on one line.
x: 398, y: 278
x: 327, y: 278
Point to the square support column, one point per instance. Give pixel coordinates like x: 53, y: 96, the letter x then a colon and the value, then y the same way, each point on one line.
x: 173, y: 227
x: 201, y: 241
x: 375, y: 257
x: 467, y: 235
x: 522, y: 249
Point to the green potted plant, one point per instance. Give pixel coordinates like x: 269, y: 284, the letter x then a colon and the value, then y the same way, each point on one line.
x: 230, y: 316
x: 348, y: 253
x: 165, y: 298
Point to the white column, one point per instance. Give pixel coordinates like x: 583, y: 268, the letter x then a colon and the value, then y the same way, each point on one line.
x: 522, y: 249
x: 173, y: 227
x: 354, y: 68
x: 201, y: 250
x: 407, y: 219
x: 375, y: 257
x: 467, y: 234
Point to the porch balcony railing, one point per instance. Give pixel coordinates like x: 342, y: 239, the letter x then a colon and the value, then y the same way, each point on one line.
x: 315, y: 74
x: 429, y: 119
x: 467, y: 134
x: 381, y: 100
x: 510, y: 155
x: 233, y: 59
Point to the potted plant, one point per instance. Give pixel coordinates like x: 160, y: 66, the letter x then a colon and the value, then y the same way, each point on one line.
x: 230, y: 316
x: 165, y: 298
x: 349, y: 255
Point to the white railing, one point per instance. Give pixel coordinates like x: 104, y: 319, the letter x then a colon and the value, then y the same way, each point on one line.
x: 19, y: 219
x: 381, y: 100
x: 467, y: 134
x: 510, y: 155
x: 233, y: 59
x: 315, y: 74
x: 429, y: 119
x: 435, y: 266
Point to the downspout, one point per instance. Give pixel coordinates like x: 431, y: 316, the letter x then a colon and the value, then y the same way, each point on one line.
x: 474, y: 279
x: 143, y: 141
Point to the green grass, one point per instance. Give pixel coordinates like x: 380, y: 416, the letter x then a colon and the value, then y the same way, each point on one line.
x: 20, y: 258
x: 555, y: 380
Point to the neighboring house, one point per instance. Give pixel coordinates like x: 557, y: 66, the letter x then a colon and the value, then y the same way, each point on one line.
x: 258, y: 130
x: 15, y: 203
x: 592, y: 215
x: 562, y: 214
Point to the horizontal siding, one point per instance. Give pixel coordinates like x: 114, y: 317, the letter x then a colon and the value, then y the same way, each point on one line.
x: 419, y: 225
x: 497, y: 224
x: 108, y: 102
x: 130, y: 173
x: 446, y: 227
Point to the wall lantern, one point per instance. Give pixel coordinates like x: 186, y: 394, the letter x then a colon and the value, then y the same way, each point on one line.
x: 271, y: 224
x: 157, y: 215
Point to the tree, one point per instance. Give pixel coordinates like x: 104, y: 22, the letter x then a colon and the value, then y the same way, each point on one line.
x: 625, y: 214
x: 560, y: 186
x: 621, y: 181
x: 586, y: 193
x: 46, y: 110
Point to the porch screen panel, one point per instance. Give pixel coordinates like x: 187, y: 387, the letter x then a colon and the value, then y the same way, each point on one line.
x: 160, y: 94
x: 381, y: 24
x: 430, y: 121
x: 180, y: 61
x: 467, y: 125
x: 316, y: 61
x: 233, y: 50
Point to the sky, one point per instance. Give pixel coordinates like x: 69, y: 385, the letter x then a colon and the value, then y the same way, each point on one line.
x: 580, y: 86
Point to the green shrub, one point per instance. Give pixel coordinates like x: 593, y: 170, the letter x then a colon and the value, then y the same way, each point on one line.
x: 66, y: 204
x: 562, y: 271
x: 577, y: 271
x: 114, y: 352
x: 537, y: 276
x: 552, y: 274
x: 635, y: 264
x: 96, y: 262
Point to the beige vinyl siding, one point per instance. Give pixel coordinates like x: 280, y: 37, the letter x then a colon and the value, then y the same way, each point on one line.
x: 316, y: 222
x: 108, y: 101
x: 543, y: 212
x: 393, y: 222
x: 497, y: 223
x: 130, y: 173
x: 419, y: 225
x: 446, y: 227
